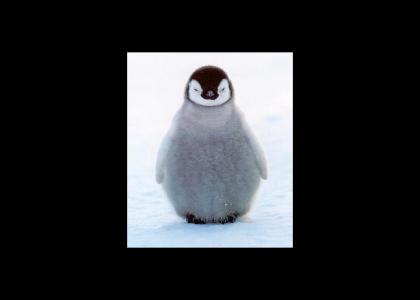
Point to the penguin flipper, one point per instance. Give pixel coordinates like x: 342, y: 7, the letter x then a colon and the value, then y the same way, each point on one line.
x: 160, y: 164
x: 161, y: 157
x: 259, y: 155
x: 159, y: 176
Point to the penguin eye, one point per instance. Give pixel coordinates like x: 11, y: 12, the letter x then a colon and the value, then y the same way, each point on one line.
x: 196, y: 90
x: 222, y: 89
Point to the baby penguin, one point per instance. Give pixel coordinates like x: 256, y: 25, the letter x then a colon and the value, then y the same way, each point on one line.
x: 210, y: 163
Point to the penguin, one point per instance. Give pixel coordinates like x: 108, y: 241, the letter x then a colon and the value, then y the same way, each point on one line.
x: 210, y: 163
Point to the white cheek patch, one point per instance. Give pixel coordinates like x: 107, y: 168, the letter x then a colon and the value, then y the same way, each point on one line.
x: 195, y: 90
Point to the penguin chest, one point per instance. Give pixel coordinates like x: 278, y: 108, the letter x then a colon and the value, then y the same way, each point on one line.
x: 213, y: 165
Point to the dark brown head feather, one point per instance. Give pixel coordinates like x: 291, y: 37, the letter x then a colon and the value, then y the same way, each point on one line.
x: 209, y: 78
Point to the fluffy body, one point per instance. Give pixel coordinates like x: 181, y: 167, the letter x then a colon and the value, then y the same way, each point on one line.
x: 210, y: 163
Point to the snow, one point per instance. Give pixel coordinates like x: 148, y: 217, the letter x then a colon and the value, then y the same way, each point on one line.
x: 263, y: 87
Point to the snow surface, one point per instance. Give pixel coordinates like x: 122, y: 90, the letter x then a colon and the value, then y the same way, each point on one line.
x: 263, y: 88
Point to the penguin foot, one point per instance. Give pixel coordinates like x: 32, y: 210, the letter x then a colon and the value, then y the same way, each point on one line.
x: 193, y: 219
x: 229, y: 219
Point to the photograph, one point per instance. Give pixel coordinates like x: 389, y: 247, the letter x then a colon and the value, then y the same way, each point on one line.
x: 210, y: 149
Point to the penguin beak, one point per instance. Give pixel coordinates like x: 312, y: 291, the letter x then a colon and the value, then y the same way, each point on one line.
x: 210, y: 95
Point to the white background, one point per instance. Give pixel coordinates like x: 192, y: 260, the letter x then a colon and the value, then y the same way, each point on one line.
x: 263, y: 91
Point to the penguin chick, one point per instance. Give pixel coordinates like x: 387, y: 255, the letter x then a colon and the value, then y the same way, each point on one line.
x: 210, y: 163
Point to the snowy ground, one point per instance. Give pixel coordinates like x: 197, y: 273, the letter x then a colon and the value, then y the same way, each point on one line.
x: 263, y: 87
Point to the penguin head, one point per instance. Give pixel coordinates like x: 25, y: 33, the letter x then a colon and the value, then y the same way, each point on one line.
x: 209, y: 86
